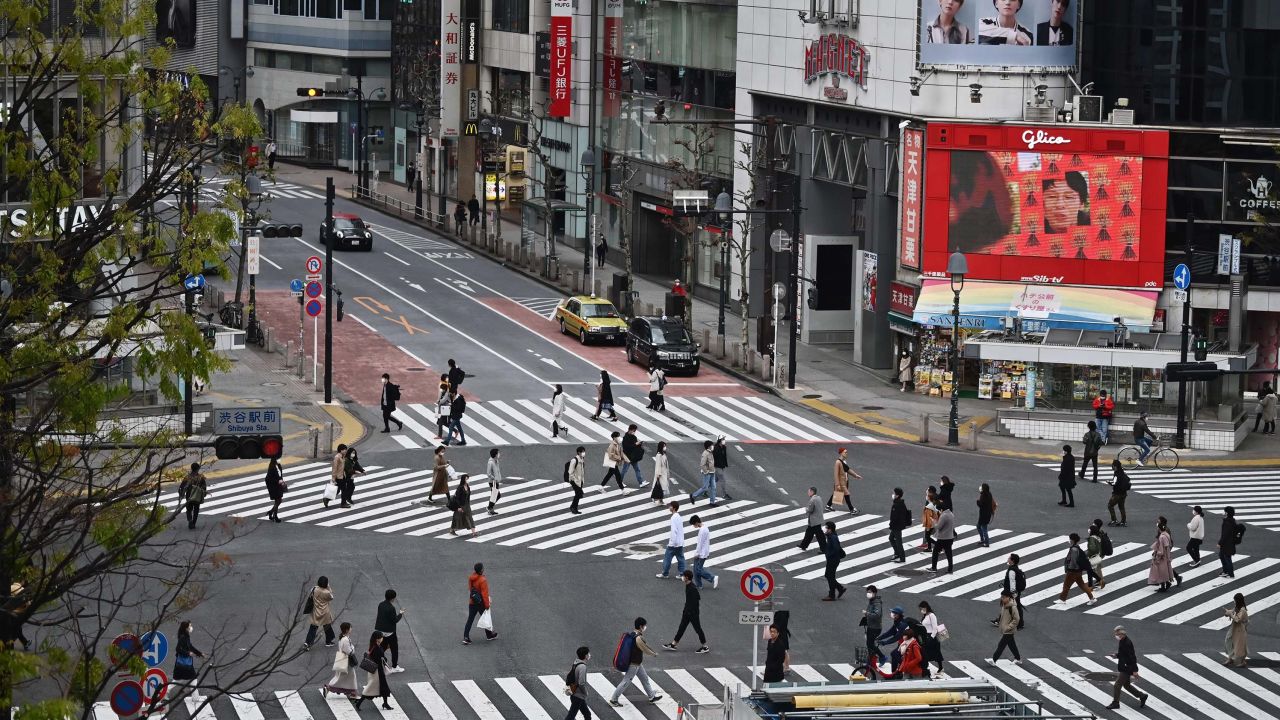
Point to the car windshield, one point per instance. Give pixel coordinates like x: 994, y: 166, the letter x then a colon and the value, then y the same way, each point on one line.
x: 348, y: 224
x: 674, y: 335
x: 598, y: 310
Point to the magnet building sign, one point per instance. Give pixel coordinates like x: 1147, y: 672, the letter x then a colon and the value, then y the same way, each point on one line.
x: 561, y: 58
x: 838, y: 54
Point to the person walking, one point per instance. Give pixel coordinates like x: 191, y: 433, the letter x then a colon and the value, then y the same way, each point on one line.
x: 899, y: 520
x: 613, y: 458
x: 351, y: 467
x: 1237, y: 640
x: 1103, y: 407
x: 337, y: 474
x: 690, y: 616
x: 1067, y: 478
x: 871, y: 622
x: 275, y: 488
x: 707, y: 469
x: 813, y: 522
x: 632, y: 454
x: 675, y: 542
x: 457, y: 408
x: 1126, y: 671
x: 439, y: 476
x: 777, y: 655
x: 557, y: 410
x: 911, y: 665
x: 473, y: 209
x: 701, y: 554
x: 460, y: 505
x: 271, y: 154
x: 1161, y: 573
x: 1015, y: 583
x: 390, y: 396
x: 456, y: 375
x: 344, y: 680
x: 1195, y: 535
x: 1268, y: 405
x: 720, y: 459
x: 1009, y: 622
x: 193, y: 489
x: 931, y: 641
x: 1228, y: 538
x: 494, y: 471
x: 376, y: 686
x: 840, y: 482
x: 1142, y: 437
x: 1265, y: 391
x: 385, y: 622
x: 1092, y: 444
x: 602, y: 252
x: 576, y: 684
x: 459, y: 218
x: 986, y: 511
x: 1119, y: 493
x: 575, y: 472
x: 834, y: 554
x: 657, y: 381
x: 635, y: 666
x: 1094, y: 552
x: 1073, y: 567
x: 478, y: 602
x: 321, y: 614
x: 928, y: 515
x: 661, y: 474
x: 945, y: 489
x: 604, y: 397
x: 944, y: 536
x: 442, y: 406
x: 184, y: 661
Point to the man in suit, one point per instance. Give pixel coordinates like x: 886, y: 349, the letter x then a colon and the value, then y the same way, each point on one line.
x: 390, y: 394
x: 1055, y: 31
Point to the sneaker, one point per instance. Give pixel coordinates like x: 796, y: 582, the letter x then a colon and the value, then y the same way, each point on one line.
x: 669, y: 646
x: 305, y: 647
x: 615, y: 703
x: 715, y: 582
x: 655, y: 698
x: 1018, y: 661
x: 991, y: 662
x: 703, y: 650
x: 1195, y: 564
x: 660, y: 575
x: 396, y: 669
x: 466, y: 641
x: 1092, y: 601
x: 329, y: 644
x: 1141, y: 464
x: 853, y: 511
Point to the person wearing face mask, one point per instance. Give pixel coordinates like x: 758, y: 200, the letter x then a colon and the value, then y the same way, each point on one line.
x: 872, y: 619
x: 893, y: 635
x: 390, y: 394
x: 1195, y: 535
x: 1126, y: 671
x: 577, y: 686
x: 575, y: 473
x: 557, y: 409
x: 184, y: 664
x: 1161, y: 572
x: 928, y: 516
x: 931, y: 640
x: 899, y: 520
x: 494, y: 471
x: 1009, y: 622
x: 1015, y: 583
x: 661, y: 475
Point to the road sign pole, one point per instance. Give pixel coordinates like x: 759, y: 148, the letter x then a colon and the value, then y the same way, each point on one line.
x: 1180, y: 438
x: 328, y: 289
x: 188, y: 411
x: 755, y: 649
x: 315, y: 352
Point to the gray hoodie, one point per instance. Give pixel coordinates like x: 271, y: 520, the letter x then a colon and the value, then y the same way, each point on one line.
x: 813, y: 511
x: 580, y: 679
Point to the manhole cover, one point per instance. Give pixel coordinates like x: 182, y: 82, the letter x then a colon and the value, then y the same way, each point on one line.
x: 872, y: 407
x: 250, y: 401
x: 272, y: 384
x: 911, y: 572
x: 640, y: 549
x: 1098, y: 677
x: 283, y: 370
x: 812, y: 396
x: 301, y: 403
x: 415, y: 369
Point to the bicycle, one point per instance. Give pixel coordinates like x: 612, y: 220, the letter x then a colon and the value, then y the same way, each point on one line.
x: 1164, y: 456
x: 232, y: 314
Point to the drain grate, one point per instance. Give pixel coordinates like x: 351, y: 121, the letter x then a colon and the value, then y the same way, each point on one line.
x: 812, y: 396
x: 415, y: 369
x: 640, y: 549
x: 272, y: 384
x: 910, y: 572
x: 1098, y: 677
x: 872, y: 407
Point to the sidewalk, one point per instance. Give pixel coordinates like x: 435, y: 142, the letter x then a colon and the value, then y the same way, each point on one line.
x: 827, y: 381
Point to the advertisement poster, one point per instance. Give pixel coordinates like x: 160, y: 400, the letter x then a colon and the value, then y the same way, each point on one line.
x: 450, y: 67
x: 870, y: 281
x: 612, y: 56
x: 999, y: 33
x: 561, y: 58
x: 911, y: 197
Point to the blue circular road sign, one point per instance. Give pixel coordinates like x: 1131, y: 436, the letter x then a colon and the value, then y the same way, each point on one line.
x: 313, y: 308
x: 155, y: 648
x: 295, y: 285
x: 126, y: 698
x: 314, y: 288
x: 1182, y: 276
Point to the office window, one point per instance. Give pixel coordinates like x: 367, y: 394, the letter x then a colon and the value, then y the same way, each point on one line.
x: 511, y: 15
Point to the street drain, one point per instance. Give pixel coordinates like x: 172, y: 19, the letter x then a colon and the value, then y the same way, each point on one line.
x: 910, y: 572
x: 1098, y: 677
x: 872, y: 407
x: 640, y: 549
x: 272, y: 384
x: 415, y: 369
x: 812, y: 397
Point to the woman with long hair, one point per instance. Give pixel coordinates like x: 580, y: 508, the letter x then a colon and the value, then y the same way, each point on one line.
x: 1161, y: 572
x: 440, y: 476
x: 557, y: 409
x: 460, y: 504
x: 604, y: 397
x: 661, y: 474
x: 376, y: 686
x: 343, y: 681
x: 442, y: 407
x: 1237, y: 645
x: 184, y: 664
x: 986, y: 511
x: 1195, y: 534
x: 275, y: 489
x: 930, y: 644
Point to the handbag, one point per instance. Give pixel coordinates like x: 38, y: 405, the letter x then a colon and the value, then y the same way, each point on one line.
x: 309, y: 606
x: 331, y: 491
x: 185, y: 661
x: 943, y: 634
x: 837, y: 497
x: 609, y: 463
x: 367, y: 664
x: 351, y: 660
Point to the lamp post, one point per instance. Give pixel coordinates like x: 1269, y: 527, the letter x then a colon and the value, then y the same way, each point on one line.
x: 723, y: 206
x: 588, y: 164
x: 486, y: 138
x: 957, y: 268
x: 246, y: 72
x: 358, y: 95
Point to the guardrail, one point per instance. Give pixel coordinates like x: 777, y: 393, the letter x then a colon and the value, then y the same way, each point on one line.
x: 400, y: 207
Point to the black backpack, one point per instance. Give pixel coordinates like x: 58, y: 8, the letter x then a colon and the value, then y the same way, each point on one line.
x: 393, y: 392
x: 571, y: 677
x: 1106, y: 545
x: 566, y: 471
x: 1239, y: 533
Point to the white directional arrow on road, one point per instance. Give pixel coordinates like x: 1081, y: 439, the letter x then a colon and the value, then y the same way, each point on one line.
x: 414, y: 285
x: 553, y: 363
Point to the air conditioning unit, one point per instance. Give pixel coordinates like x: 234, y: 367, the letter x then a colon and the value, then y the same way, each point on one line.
x: 1121, y: 117
x: 1040, y: 113
x: 1089, y: 108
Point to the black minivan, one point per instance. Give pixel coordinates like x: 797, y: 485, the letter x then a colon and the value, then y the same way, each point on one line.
x: 664, y: 341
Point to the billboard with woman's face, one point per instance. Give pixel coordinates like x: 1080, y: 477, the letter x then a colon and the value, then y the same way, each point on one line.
x: 998, y: 33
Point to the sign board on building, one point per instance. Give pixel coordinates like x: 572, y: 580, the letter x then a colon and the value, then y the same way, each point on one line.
x: 902, y: 298
x: 473, y: 105
x: 450, y: 67
x: 1228, y: 255
x: 246, y: 420
x: 838, y: 56
x: 870, y: 279
x: 561, y: 89
x: 911, y: 197
x: 542, y: 54
x: 253, y: 254
x: 612, y: 57
x: 1032, y: 34
x: 1250, y: 189
x: 471, y: 42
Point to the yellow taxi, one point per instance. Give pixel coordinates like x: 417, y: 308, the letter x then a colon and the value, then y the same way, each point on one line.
x: 591, y: 318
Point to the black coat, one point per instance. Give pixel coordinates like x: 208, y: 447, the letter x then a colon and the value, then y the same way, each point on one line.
x: 457, y: 408
x: 986, y: 508
x: 631, y: 449
x: 1227, y: 539
x: 1019, y: 580
x: 899, y: 515
x: 1126, y: 656
x: 720, y: 455
x: 456, y: 376
x: 692, y: 600
x: 1067, y: 475
x: 275, y: 482
x: 1121, y: 483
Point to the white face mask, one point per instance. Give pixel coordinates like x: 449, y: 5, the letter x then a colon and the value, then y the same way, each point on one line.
x: 893, y: 497
x: 871, y: 596
x: 1118, y: 637
x: 384, y: 381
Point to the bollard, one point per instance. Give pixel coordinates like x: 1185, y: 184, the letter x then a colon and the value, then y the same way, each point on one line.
x: 266, y: 333
x: 599, y: 285
x: 313, y: 435
x: 766, y: 367
x: 288, y: 354
x: 330, y: 450
x: 706, y: 338
x: 736, y: 360
x: 973, y: 435
x: 924, y: 428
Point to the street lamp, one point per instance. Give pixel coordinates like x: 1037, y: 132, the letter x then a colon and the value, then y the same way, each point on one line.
x: 358, y: 94
x: 588, y: 164
x: 957, y: 268
x: 226, y: 70
x: 723, y: 207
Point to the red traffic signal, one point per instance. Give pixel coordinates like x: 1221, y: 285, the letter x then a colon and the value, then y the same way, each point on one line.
x: 272, y: 446
x: 248, y: 447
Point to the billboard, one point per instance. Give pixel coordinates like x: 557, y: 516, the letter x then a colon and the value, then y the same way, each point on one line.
x: 1055, y: 205
x: 176, y: 19
x: 999, y: 33
x: 561, y: 58
x: 911, y: 197
x: 450, y: 68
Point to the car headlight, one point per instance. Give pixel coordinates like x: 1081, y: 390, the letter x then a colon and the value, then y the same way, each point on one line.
x: 663, y: 354
x: 340, y: 233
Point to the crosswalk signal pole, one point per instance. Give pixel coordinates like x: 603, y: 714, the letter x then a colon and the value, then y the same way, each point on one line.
x: 755, y: 649
x: 328, y: 289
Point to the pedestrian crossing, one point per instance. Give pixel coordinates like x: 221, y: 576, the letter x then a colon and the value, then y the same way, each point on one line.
x: 410, y: 240
x: 1253, y: 493
x: 503, y: 423
x: 533, y: 514
x: 289, y: 190
x: 1078, y: 685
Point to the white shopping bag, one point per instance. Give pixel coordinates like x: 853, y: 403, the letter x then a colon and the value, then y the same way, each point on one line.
x: 485, y: 621
x: 331, y: 491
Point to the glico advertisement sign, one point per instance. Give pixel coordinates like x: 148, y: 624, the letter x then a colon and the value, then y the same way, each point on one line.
x: 1048, y: 204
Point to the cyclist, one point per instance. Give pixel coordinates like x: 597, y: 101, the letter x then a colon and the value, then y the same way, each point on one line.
x: 1142, y: 437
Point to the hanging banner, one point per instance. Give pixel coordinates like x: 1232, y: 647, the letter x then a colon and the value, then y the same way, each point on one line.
x: 450, y: 67
x: 561, y: 58
x: 911, y: 197
x: 612, y: 57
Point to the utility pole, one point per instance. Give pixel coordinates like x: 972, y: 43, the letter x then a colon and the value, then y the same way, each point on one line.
x: 593, y: 74
x: 328, y: 289
x: 793, y: 283
x: 189, y: 299
x: 1180, y: 438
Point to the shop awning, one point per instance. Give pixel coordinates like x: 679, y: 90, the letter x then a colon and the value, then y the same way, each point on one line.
x: 985, y: 305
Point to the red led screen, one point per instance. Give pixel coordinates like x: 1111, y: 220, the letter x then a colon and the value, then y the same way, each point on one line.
x: 1047, y: 205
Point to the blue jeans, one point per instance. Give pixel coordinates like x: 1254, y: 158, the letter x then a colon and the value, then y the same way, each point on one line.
x: 455, y: 424
x: 982, y: 535
x: 639, y: 475
x: 708, y: 488
x: 1144, y: 442
x: 673, y: 552
x: 1104, y: 427
x: 699, y: 574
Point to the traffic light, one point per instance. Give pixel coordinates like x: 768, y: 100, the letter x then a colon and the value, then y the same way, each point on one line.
x: 1201, y: 348
x: 279, y: 230
x: 338, y: 293
x: 248, y: 447
x: 310, y: 92
x: 1191, y: 371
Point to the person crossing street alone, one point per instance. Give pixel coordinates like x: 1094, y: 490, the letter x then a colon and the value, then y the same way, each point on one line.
x: 390, y: 396
x: 575, y: 473
x: 899, y: 520
x: 1119, y: 493
x: 1092, y: 444
x: 1067, y: 478
x: 813, y: 522
x: 635, y: 665
x: 321, y: 614
x: 840, y: 485
x: 494, y: 471
x: 834, y: 554
x: 1126, y: 658
x: 193, y: 489
x: 387, y: 618
x: 578, y: 687
x: 478, y: 603
x: 690, y: 615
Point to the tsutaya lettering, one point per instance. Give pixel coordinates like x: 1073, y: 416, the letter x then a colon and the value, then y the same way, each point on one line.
x: 73, y: 218
x: 838, y: 54
x: 1040, y: 137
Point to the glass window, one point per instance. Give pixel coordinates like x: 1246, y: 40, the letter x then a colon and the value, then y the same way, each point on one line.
x: 511, y: 15
x: 353, y: 5
x: 327, y: 8
x: 670, y: 335
x: 703, y: 36
x: 326, y: 64
x: 598, y: 310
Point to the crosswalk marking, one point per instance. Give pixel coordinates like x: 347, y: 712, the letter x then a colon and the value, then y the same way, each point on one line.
x: 431, y: 701
x: 246, y: 708
x: 408, y: 239
x: 544, y: 306
x: 1236, y: 701
x: 479, y: 702
x: 688, y: 419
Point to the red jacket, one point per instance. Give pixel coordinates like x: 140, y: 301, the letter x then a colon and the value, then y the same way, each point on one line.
x: 1104, y: 407
x: 911, y: 659
x: 479, y: 583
